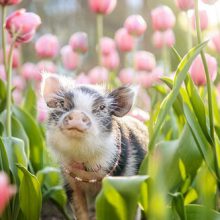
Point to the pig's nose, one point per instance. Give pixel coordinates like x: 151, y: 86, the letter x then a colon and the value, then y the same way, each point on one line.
x: 77, y: 120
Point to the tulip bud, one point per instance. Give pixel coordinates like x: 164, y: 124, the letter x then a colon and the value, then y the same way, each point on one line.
x: 22, y: 25
x: 79, y: 42
x: 70, y: 59
x: 124, y: 41
x: 18, y: 82
x: 107, y: 46
x: 15, y: 57
x: 144, y: 60
x: 6, y: 191
x: 82, y: 79
x: 2, y: 72
x: 204, y: 20
x: 161, y: 39
x: 102, y: 7
x: 41, y: 111
x: 135, y: 25
x: 162, y: 18
x: 17, y: 96
x: 216, y: 42
x: 45, y: 66
x: 47, y: 46
x: 98, y: 75
x: 197, y: 70
x: 29, y: 71
x: 126, y: 76
x: 9, y: 2
x: 111, y: 61
x: 185, y: 4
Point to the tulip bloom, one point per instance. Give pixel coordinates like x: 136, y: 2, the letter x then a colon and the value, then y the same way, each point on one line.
x: 79, y: 42
x: 82, y: 79
x: 210, y: 2
x: 47, y: 46
x: 15, y: 57
x: 18, y: 82
x: 45, y: 66
x: 135, y: 25
x: 124, y: 40
x: 6, y: 191
x: 216, y: 42
x: 41, y: 111
x: 111, y: 61
x: 29, y: 71
x: 162, y: 18
x: 22, y: 25
x: 185, y: 4
x: 102, y: 6
x: 204, y: 20
x: 2, y: 72
x: 126, y: 76
x: 69, y: 58
x: 9, y: 2
x: 144, y: 60
x: 98, y: 75
x: 197, y: 70
x: 107, y: 45
x: 161, y: 39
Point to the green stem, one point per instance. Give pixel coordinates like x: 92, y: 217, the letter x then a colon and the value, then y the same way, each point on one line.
x: 8, y: 102
x: 99, y: 35
x: 3, y: 37
x: 165, y: 56
x: 209, y: 89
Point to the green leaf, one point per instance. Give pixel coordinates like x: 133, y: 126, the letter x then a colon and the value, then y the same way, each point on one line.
x: 2, y: 95
x: 178, y: 205
x: 30, y: 102
x: 29, y: 195
x: 37, y: 148
x: 119, y: 197
x: 4, y: 164
x: 180, y: 76
x: 182, y: 169
x: 190, y: 196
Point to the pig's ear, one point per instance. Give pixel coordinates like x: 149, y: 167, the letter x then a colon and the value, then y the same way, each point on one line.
x: 121, y: 100
x: 49, y: 87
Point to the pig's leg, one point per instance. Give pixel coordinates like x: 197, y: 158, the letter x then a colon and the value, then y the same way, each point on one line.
x: 80, y: 203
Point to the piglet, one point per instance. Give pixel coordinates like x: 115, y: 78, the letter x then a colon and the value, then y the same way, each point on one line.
x: 91, y: 136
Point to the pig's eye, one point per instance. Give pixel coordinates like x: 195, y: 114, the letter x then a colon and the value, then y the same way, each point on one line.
x: 60, y: 104
x: 102, y: 107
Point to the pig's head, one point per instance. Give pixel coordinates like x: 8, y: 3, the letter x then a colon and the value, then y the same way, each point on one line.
x: 80, y: 116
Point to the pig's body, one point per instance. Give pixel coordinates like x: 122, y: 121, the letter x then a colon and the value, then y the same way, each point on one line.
x: 90, y: 137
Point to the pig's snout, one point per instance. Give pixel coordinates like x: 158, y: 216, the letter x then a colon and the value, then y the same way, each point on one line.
x: 76, y: 120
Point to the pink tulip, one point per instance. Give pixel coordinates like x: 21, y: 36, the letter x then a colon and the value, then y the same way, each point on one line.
x: 102, y: 6
x: 15, y: 57
x: 204, y: 20
x: 144, y: 60
x: 6, y: 191
x: 156, y: 74
x: 41, y: 111
x: 135, y: 25
x: 70, y: 59
x: 18, y: 82
x: 47, y: 46
x: 161, y: 39
x: 107, y: 45
x: 124, y: 41
x: 98, y: 75
x: 162, y: 18
x: 29, y: 71
x: 139, y: 114
x: 82, y: 79
x: 185, y: 4
x: 216, y: 42
x: 146, y: 79
x: 197, y: 70
x: 79, y: 42
x: 111, y: 61
x: 44, y: 66
x: 17, y: 96
x: 9, y: 2
x: 210, y: 2
x: 2, y: 72
x: 22, y: 25
x: 126, y: 76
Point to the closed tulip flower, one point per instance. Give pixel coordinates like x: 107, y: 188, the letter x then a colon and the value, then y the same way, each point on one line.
x: 204, y: 20
x: 98, y: 75
x: 197, y: 70
x: 45, y: 66
x: 145, y: 79
x: 125, y: 42
x: 102, y: 6
x: 210, y: 2
x: 135, y: 25
x: 216, y: 42
x: 9, y: 2
x: 79, y: 42
x: 162, y: 18
x: 70, y: 59
x: 161, y: 39
x: 15, y: 57
x: 18, y: 82
x: 126, y: 76
x: 22, y: 25
x: 144, y: 60
x: 185, y: 4
x: 6, y: 191
x: 2, y: 72
x: 82, y: 79
x: 107, y: 45
x: 41, y: 111
x: 158, y: 39
x: 29, y: 71
x: 111, y: 61
x: 47, y: 46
